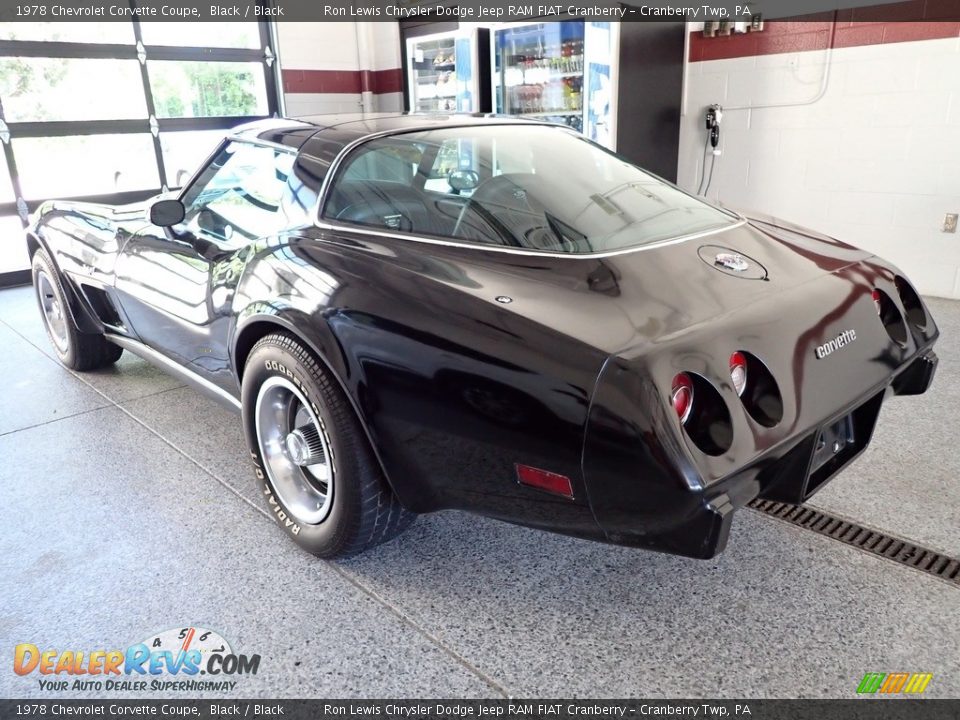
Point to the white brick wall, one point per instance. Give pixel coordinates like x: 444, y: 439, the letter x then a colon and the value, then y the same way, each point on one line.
x: 343, y: 46
x: 875, y: 161
x: 318, y: 45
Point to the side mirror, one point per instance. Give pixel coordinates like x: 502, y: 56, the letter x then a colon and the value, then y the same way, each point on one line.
x: 165, y: 213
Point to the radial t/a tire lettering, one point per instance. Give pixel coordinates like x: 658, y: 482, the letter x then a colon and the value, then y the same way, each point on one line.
x: 315, y: 469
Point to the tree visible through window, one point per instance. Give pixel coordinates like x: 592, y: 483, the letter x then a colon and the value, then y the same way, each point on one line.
x: 106, y: 147
x: 205, y: 89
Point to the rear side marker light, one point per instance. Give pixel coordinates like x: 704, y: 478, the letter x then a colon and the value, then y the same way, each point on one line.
x: 545, y: 480
x: 738, y: 372
x: 877, y: 302
x: 681, y: 396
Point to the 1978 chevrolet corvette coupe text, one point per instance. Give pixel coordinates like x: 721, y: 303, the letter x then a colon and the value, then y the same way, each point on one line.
x: 414, y: 313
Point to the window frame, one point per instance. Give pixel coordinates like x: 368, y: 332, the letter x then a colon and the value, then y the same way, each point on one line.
x: 221, y: 146
x: 265, y: 55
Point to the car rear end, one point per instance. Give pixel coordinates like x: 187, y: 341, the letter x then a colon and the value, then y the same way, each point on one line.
x: 771, y: 399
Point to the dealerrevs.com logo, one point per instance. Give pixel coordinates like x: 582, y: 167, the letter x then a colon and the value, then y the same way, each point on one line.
x: 173, y: 660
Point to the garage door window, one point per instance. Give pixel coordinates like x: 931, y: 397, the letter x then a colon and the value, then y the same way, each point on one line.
x: 174, y: 88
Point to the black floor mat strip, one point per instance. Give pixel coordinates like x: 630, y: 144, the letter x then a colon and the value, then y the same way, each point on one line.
x: 870, y: 541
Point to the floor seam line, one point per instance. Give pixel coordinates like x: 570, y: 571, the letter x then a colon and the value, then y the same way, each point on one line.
x: 453, y: 654
x: 57, y: 419
x: 372, y: 594
x: 376, y: 597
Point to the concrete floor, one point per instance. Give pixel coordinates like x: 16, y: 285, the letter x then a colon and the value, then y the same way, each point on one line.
x: 129, y: 509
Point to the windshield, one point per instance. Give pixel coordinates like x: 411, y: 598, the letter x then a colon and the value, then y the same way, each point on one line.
x: 526, y: 187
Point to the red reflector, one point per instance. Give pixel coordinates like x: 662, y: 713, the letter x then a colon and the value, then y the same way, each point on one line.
x: 877, y: 302
x: 551, y: 482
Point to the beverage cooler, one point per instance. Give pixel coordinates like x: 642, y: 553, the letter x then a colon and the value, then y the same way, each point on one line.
x: 559, y: 71
x: 443, y: 71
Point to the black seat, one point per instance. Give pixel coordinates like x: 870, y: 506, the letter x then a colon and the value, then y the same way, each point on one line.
x: 388, y: 205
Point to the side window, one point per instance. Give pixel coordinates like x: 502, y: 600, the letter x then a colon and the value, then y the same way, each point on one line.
x: 418, y: 186
x: 377, y: 188
x: 239, y: 195
x: 392, y: 163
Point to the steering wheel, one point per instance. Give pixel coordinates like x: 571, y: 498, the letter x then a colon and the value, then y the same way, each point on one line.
x: 462, y: 179
x: 487, y: 188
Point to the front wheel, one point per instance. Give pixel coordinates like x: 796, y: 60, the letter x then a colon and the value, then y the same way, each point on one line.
x: 316, y: 470
x: 76, y: 349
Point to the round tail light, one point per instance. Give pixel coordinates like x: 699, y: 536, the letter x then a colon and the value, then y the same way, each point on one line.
x: 738, y: 372
x: 682, y: 396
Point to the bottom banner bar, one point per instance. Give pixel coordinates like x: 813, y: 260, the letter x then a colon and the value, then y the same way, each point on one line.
x: 513, y: 709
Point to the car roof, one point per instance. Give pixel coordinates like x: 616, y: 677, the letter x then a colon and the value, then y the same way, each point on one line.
x: 347, y: 127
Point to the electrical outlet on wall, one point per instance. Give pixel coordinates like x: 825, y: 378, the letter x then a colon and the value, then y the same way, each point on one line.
x: 949, y: 223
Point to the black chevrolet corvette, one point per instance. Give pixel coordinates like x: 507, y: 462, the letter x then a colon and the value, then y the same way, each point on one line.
x: 414, y: 313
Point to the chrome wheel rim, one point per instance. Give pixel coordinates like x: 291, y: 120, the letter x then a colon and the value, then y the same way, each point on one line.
x: 54, y: 314
x: 295, y: 450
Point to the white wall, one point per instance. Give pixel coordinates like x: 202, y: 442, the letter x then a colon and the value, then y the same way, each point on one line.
x: 338, y: 47
x: 875, y: 161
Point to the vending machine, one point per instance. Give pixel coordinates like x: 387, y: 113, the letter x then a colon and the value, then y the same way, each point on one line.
x: 565, y: 72
x: 443, y: 71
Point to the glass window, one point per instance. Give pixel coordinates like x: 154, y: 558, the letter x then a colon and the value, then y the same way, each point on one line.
x: 454, y: 155
x: 67, y: 89
x: 6, y: 187
x: 530, y: 187
x: 205, y: 34
x: 389, y: 162
x: 70, y: 166
x: 185, y: 151
x: 83, y: 32
x: 207, y: 89
x: 239, y: 196
x: 13, y: 245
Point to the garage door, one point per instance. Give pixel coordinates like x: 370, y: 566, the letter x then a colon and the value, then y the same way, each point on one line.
x: 118, y: 111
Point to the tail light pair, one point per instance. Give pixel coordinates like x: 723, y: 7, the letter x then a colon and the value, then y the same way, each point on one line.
x: 703, y: 412
x: 682, y: 392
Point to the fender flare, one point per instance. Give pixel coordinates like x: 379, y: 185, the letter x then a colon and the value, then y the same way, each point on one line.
x: 80, y: 314
x: 259, y: 320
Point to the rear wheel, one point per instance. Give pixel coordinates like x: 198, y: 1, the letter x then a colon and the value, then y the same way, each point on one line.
x: 317, y: 473
x: 74, y: 348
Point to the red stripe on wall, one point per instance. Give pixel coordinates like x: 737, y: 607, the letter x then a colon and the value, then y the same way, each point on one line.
x: 798, y: 36
x: 383, y: 81
x: 342, y: 81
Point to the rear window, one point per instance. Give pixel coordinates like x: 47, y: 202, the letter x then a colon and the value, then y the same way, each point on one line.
x: 525, y: 187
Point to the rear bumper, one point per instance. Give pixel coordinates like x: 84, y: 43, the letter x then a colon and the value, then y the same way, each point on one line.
x: 695, y: 521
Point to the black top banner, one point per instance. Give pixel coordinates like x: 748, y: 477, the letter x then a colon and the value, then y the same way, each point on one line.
x: 483, y: 709
x: 492, y: 11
